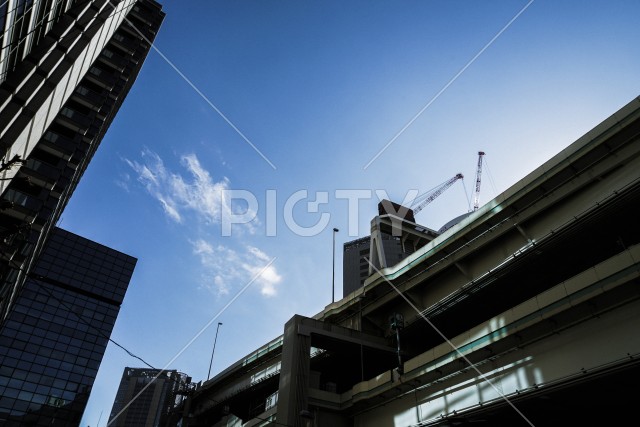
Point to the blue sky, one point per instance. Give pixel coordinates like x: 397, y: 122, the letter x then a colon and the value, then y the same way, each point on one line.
x: 319, y: 88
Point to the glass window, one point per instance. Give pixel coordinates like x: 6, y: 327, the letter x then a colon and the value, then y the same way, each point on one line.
x: 28, y: 357
x: 19, y: 345
x: 47, y: 380
x: 6, y: 401
x: 19, y: 407
x: 43, y: 389
x: 10, y: 362
x: 23, y: 364
x: 29, y: 386
x: 39, y: 399
x: 11, y: 392
x: 41, y: 360
x: 34, y: 378
x: 19, y: 374
x: 68, y: 395
x: 38, y: 369
x: 66, y: 366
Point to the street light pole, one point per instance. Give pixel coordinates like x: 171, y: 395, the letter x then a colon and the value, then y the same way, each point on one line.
x: 214, y: 349
x: 333, y: 279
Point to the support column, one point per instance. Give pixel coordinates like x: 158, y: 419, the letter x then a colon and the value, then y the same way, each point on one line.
x: 294, y: 374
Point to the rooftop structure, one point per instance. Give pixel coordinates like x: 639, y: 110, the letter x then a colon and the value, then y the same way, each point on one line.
x: 394, y: 236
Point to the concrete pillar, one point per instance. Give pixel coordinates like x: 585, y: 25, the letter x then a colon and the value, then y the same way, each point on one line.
x: 294, y: 375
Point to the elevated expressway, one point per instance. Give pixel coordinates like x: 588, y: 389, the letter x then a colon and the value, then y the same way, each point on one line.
x: 526, y: 312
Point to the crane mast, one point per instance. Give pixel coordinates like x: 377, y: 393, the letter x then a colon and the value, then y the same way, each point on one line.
x: 476, y: 199
x: 429, y: 197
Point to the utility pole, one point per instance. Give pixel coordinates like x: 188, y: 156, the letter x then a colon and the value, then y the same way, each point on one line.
x: 476, y: 200
x: 333, y: 278
x: 396, y: 322
x: 214, y: 350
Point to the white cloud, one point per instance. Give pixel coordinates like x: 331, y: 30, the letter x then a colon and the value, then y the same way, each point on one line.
x: 224, y: 269
x: 201, y: 247
x: 123, y: 181
x: 227, y: 269
x: 268, y: 278
x: 258, y: 253
x: 197, y: 192
x: 170, y: 208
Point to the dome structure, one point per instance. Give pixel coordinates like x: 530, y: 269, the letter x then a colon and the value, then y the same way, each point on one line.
x: 453, y: 222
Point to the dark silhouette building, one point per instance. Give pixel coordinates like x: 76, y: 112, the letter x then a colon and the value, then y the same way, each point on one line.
x: 355, y: 256
x: 53, y: 340
x: 146, y: 397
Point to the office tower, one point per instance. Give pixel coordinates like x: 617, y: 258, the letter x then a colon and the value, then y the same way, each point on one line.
x: 53, y: 340
x: 146, y: 396
x: 65, y: 69
x: 355, y: 264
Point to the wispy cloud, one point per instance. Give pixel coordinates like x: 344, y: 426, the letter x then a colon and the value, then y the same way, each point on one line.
x: 225, y: 267
x: 177, y: 194
x: 123, y: 181
x: 198, y: 193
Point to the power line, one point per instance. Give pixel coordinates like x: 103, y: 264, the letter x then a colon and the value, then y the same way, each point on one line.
x: 37, y: 279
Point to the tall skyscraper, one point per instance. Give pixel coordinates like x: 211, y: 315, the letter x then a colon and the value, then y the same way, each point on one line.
x: 65, y: 69
x: 53, y: 340
x: 66, y: 66
x: 145, y: 397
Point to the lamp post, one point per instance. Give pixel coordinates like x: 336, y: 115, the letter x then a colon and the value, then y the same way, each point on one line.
x: 214, y: 349
x: 333, y: 278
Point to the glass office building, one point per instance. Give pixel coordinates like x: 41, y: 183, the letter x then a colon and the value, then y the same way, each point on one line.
x: 52, y: 342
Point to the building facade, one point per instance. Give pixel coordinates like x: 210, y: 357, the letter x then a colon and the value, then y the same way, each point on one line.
x: 524, y: 312
x: 53, y: 340
x: 66, y: 66
x: 355, y: 267
x: 394, y: 236
x: 65, y: 69
x: 146, y: 397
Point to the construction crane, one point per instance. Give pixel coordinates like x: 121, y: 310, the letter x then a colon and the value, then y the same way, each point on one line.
x: 423, y: 200
x: 476, y: 199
